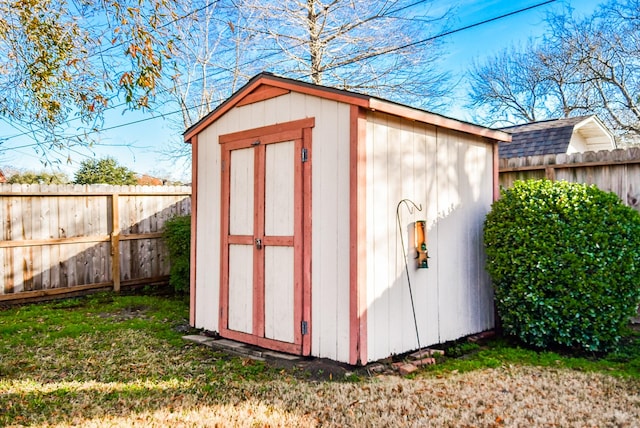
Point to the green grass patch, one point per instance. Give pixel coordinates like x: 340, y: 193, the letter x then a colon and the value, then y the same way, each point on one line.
x: 464, y: 356
x: 43, y: 324
x: 121, y: 354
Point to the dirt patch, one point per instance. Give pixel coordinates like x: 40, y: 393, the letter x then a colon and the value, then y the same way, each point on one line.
x: 318, y: 369
x: 126, y: 314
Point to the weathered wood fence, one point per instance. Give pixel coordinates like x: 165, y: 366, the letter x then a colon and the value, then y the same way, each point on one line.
x: 615, y: 171
x: 70, y: 238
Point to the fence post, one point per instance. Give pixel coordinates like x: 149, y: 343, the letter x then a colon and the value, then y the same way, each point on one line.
x: 115, y: 242
x: 550, y: 173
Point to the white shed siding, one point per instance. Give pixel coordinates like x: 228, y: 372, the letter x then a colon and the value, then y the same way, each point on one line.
x: 330, y: 226
x: 400, y: 161
x: 330, y: 213
x: 465, y: 292
x: 450, y: 175
x: 208, y: 226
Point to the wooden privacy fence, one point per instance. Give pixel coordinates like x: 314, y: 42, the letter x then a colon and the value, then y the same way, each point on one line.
x: 616, y: 171
x: 59, y: 239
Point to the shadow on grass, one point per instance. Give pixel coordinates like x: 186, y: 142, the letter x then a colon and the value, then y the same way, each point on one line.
x: 200, y: 401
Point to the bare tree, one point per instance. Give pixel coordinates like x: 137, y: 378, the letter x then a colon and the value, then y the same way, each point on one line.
x: 212, y: 57
x: 527, y: 84
x: 350, y: 44
x: 581, y: 65
x: 356, y: 45
x: 509, y: 87
x: 608, y: 58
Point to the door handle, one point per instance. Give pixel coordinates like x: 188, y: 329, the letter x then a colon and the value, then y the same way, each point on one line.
x: 259, y: 243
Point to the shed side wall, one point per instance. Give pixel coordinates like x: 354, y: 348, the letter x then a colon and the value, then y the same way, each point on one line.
x: 450, y: 175
x: 330, y: 213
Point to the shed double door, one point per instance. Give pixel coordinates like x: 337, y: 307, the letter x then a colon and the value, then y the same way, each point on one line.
x: 265, y: 290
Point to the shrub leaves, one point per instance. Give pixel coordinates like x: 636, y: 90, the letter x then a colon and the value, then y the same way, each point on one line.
x: 565, y: 259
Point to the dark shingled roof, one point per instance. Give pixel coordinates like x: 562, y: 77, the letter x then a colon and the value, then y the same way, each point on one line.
x: 540, y: 138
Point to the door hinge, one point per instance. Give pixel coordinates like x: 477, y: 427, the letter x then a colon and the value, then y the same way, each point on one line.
x: 305, y: 155
x: 304, y: 328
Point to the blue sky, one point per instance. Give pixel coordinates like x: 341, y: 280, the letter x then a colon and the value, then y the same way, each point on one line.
x: 139, y: 146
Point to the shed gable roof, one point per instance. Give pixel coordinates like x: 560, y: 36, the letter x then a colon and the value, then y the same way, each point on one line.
x: 547, y: 137
x: 265, y: 86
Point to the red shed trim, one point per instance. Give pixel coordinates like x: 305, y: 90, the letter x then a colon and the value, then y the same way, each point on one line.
x: 437, y: 120
x: 358, y: 235
x: 269, y: 86
x: 262, y: 93
x: 194, y: 216
x: 496, y: 172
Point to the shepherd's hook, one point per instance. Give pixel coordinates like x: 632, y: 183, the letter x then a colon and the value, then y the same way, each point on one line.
x: 406, y: 202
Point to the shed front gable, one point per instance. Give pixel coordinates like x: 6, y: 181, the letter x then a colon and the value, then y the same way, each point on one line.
x: 329, y: 280
x: 261, y: 93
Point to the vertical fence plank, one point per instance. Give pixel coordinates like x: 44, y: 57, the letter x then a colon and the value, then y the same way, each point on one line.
x: 115, y: 242
x: 16, y: 234
x: 55, y: 228
x: 44, y: 260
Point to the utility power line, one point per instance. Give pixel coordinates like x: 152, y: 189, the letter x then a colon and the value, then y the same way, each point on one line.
x: 450, y: 32
x: 372, y: 55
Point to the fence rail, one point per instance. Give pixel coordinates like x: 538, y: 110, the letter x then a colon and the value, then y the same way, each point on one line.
x: 58, y: 239
x: 616, y: 171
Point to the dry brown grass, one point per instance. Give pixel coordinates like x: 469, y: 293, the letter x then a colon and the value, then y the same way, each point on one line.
x: 507, y: 396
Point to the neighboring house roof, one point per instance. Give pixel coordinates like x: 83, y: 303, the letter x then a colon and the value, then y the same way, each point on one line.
x: 569, y: 135
x: 266, y: 85
x: 147, y: 180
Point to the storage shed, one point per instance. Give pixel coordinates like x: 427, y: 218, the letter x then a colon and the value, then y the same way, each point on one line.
x: 299, y: 229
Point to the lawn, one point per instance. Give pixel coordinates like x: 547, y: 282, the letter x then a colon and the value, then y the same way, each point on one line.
x: 120, y: 361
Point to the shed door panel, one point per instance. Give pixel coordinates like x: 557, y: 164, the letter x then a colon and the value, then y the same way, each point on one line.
x: 279, y: 189
x: 279, y: 222
x: 279, y: 294
x: 241, y: 208
x: 241, y: 197
x: 264, y: 296
x: 241, y: 288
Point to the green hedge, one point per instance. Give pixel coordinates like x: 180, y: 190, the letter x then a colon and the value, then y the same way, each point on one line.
x: 565, y: 262
x: 177, y: 236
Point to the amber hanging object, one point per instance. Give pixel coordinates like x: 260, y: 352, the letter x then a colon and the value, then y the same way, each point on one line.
x: 420, y: 237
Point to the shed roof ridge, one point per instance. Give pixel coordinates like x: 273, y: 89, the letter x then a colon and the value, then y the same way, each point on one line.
x: 547, y: 123
x: 355, y: 98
